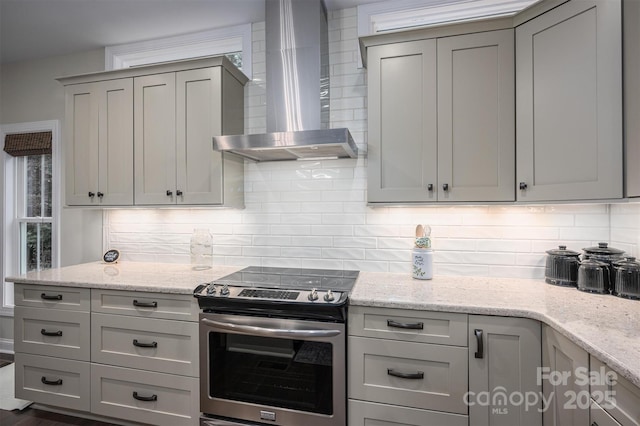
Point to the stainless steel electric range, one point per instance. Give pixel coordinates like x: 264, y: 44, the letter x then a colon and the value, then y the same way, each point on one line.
x: 273, y: 347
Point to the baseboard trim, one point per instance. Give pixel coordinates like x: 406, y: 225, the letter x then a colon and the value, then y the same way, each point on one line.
x: 6, y: 346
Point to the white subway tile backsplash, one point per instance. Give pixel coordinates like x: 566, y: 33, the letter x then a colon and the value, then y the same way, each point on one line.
x: 313, y: 214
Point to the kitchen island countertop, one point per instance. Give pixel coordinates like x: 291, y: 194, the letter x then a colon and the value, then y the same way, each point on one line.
x: 606, y: 326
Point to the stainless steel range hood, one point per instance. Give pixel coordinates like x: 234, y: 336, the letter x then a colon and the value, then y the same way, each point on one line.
x: 297, y: 67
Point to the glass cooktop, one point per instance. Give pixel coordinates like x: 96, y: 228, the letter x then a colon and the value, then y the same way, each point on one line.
x: 291, y: 278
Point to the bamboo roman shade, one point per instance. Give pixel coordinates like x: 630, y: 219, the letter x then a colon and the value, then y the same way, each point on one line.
x: 23, y: 144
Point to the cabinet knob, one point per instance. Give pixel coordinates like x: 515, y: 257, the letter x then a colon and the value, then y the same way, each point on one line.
x: 169, y: 193
x: 100, y: 195
x: 523, y: 186
x: 92, y: 194
x: 430, y: 187
x: 179, y: 193
x: 445, y: 187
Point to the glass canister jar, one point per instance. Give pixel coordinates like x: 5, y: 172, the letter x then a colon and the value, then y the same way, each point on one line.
x: 201, y: 249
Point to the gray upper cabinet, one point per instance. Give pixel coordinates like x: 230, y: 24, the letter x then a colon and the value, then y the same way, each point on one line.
x: 99, y: 143
x: 441, y: 123
x: 476, y: 134
x: 569, y: 103
x: 631, y: 27
x: 402, y: 147
x: 144, y: 135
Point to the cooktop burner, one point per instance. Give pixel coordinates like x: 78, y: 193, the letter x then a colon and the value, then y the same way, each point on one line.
x: 261, y: 290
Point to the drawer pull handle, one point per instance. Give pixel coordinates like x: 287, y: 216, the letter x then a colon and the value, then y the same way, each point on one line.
x: 145, y: 398
x: 411, y: 326
x: 45, y: 296
x: 594, y: 424
x: 145, y: 304
x: 480, y: 352
x: 51, y: 382
x: 417, y: 375
x: 51, y: 333
x: 145, y: 345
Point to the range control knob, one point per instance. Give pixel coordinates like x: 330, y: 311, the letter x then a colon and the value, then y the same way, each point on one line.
x: 329, y: 296
x: 313, y: 296
x: 211, y: 289
x: 224, y: 291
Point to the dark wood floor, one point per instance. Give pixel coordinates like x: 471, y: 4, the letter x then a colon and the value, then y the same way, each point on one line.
x: 32, y: 417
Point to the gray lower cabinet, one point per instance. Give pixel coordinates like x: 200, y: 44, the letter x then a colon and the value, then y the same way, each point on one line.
x: 569, y: 103
x: 441, y: 118
x: 563, y: 365
x: 504, y: 359
x: 145, y: 397
x: 406, y: 367
x: 126, y: 355
x: 615, y: 400
x: 53, y: 381
x: 410, y: 367
x: 52, y: 345
x: 599, y: 417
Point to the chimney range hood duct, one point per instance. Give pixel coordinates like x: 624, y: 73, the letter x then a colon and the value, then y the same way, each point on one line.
x: 297, y: 67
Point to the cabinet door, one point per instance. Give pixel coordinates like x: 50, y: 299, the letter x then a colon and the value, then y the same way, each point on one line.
x: 476, y: 132
x: 115, y: 140
x: 81, y: 144
x: 504, y: 358
x: 199, y: 118
x: 565, y: 364
x: 569, y: 103
x: 402, y: 152
x: 155, y: 139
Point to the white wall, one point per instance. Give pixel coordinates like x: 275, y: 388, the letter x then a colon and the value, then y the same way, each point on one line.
x: 314, y: 213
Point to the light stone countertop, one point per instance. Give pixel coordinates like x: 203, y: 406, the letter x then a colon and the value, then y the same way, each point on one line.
x: 606, y: 326
x: 178, y: 278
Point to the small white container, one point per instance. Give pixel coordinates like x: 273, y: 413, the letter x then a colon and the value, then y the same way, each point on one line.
x: 422, y: 260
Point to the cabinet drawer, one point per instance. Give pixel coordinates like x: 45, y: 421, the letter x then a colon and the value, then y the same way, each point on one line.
x: 599, y: 416
x: 46, y: 296
x: 143, y: 396
x: 415, y: 326
x: 52, y: 332
x: 146, y: 343
x: 372, y: 414
x: 624, y: 403
x: 53, y: 381
x: 141, y: 304
x: 437, y: 375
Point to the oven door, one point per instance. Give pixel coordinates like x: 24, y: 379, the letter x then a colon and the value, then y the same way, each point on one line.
x: 278, y: 371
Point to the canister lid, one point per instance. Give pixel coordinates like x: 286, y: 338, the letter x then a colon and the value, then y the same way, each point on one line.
x: 562, y: 251
x: 603, y: 249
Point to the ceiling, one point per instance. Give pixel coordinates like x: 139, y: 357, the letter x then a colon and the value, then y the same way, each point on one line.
x: 32, y: 29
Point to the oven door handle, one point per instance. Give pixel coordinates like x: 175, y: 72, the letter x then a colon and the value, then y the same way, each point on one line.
x: 269, y: 332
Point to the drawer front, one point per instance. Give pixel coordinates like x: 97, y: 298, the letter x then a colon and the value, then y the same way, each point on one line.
x: 435, y: 376
x: 53, y: 381
x: 415, y: 326
x: 372, y: 414
x: 46, y: 296
x: 146, y: 343
x: 619, y: 398
x: 148, y: 305
x: 143, y: 396
x: 599, y: 416
x: 52, y: 332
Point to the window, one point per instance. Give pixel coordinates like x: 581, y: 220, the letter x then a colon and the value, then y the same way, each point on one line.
x: 30, y: 204
x: 233, y: 42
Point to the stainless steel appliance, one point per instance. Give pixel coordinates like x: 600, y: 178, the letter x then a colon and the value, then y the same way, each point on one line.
x: 273, y: 347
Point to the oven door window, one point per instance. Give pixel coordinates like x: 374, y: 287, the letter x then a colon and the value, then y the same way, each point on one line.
x: 293, y: 374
